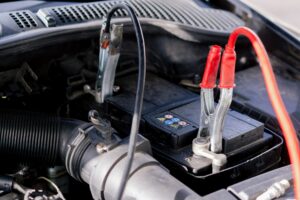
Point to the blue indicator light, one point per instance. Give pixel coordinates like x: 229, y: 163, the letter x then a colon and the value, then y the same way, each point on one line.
x: 168, y: 122
x: 175, y: 120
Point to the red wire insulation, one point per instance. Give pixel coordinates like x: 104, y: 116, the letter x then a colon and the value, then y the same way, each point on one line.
x: 283, y: 117
x: 211, y: 67
x: 227, y: 68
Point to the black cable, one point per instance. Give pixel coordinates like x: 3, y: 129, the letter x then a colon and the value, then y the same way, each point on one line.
x: 139, y: 93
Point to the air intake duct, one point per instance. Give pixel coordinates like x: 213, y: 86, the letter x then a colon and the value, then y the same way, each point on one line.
x: 28, y: 137
x: 92, y: 153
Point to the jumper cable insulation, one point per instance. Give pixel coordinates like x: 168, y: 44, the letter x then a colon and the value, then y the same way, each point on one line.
x: 282, y: 115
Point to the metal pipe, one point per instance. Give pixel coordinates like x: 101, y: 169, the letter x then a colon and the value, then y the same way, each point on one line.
x: 102, y: 170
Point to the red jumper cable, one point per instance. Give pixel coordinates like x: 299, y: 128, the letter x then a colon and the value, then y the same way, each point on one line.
x: 207, y: 85
x: 227, y: 81
x: 212, y: 118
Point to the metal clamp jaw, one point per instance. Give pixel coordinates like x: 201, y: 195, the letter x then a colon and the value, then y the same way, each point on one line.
x: 212, y: 118
x: 218, y: 119
x: 208, y: 143
x: 207, y: 109
x: 110, y: 45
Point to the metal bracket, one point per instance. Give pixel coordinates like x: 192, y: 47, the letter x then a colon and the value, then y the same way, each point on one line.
x: 201, y: 148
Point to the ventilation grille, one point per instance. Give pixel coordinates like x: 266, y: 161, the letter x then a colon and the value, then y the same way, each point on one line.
x: 23, y: 19
x: 178, y: 11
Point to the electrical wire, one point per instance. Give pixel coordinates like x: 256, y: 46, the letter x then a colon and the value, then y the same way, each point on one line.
x: 139, y: 93
x: 282, y: 115
x: 59, y: 193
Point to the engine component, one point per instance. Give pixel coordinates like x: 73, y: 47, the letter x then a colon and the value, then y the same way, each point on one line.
x: 92, y: 153
x: 172, y: 115
x: 32, y: 137
x: 276, y: 190
x: 171, y: 121
x: 8, y: 185
x: 100, y: 153
x: 176, y: 13
x: 239, y: 130
x: 60, y: 177
x: 102, y: 169
x: 243, y: 138
x: 40, y: 194
x: 26, y: 71
x: 175, y: 129
x: 271, y: 185
x: 160, y: 95
x: 89, y: 157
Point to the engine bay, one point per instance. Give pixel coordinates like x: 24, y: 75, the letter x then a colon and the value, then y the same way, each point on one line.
x: 69, y: 103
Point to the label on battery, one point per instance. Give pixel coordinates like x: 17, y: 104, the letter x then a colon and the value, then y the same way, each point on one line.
x: 172, y: 121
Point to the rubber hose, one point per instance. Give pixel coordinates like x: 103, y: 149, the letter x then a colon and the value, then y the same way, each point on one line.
x: 28, y: 137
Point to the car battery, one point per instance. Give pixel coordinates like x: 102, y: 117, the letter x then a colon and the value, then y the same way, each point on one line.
x: 159, y: 95
x: 180, y: 126
x: 170, y: 120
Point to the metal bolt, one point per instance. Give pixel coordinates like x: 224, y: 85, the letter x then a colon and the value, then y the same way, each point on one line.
x: 197, y: 79
x: 100, y: 148
x: 275, y: 191
x: 86, y: 88
x: 243, y: 60
x: 188, y: 159
x: 116, y: 88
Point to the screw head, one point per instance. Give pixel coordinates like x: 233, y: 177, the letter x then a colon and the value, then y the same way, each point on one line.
x: 100, y: 147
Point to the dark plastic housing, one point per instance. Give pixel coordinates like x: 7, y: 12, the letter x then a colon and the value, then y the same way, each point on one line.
x: 251, y: 98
